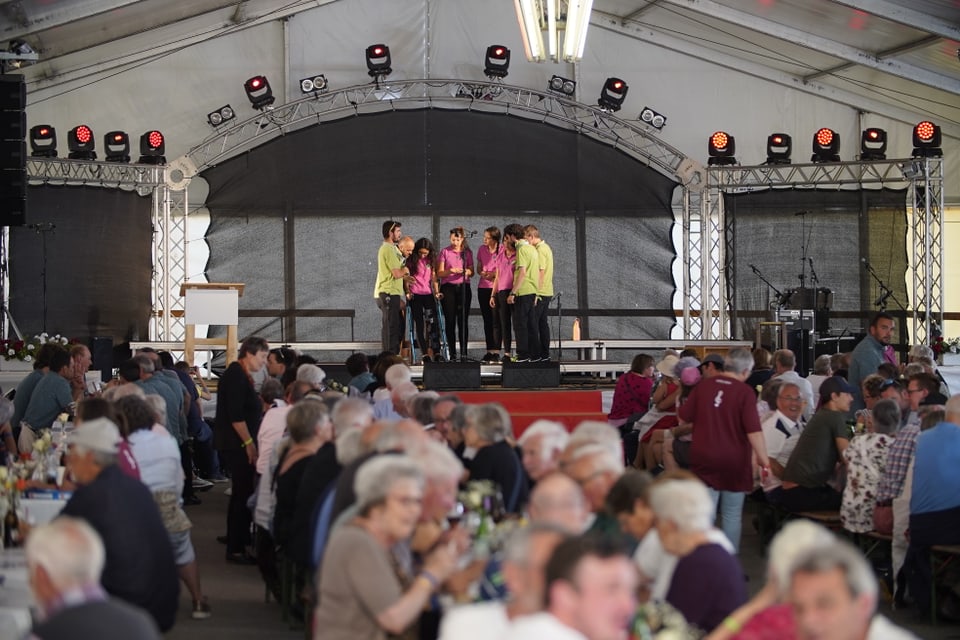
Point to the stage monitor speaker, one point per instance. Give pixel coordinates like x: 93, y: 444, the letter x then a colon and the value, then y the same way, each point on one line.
x: 101, y: 350
x: 531, y: 375
x: 451, y: 375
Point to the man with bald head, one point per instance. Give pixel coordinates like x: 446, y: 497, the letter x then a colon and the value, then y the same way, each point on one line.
x: 558, y: 500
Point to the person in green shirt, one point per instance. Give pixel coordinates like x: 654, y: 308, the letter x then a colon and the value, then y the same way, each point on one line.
x: 388, y: 290
x: 523, y: 297
x: 540, y: 339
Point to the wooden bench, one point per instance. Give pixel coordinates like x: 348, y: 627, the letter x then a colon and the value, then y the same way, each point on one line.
x: 941, y: 557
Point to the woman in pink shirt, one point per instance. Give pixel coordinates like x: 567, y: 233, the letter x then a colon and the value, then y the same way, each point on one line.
x: 503, y: 283
x: 455, y: 268
x: 487, y: 257
x: 422, y: 292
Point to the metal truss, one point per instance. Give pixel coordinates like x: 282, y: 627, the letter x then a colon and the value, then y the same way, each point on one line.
x: 632, y: 138
x: 168, y: 216
x: 922, y: 176
x: 926, y: 254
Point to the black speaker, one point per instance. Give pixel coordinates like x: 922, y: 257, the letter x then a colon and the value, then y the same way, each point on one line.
x: 800, y: 337
x: 451, y: 375
x: 101, y: 349
x: 531, y: 375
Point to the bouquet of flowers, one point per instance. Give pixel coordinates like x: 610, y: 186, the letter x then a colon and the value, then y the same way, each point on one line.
x: 483, y: 511
x: 26, y: 350
x: 660, y: 621
x: 941, y: 345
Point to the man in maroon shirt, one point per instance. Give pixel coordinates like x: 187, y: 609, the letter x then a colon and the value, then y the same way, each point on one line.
x: 727, y: 438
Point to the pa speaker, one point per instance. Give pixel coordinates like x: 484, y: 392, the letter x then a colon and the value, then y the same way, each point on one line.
x: 451, y: 375
x: 531, y: 375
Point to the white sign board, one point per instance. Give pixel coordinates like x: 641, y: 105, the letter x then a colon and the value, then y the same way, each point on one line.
x: 212, y: 306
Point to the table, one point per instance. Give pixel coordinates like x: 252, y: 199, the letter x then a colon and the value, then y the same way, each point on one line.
x: 16, y: 600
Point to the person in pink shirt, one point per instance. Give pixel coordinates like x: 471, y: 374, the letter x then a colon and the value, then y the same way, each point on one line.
x: 423, y: 290
x: 487, y: 258
x: 503, y: 284
x: 455, y: 268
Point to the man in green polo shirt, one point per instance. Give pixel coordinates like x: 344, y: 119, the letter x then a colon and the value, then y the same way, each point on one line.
x: 523, y: 297
x: 388, y: 291
x: 540, y: 340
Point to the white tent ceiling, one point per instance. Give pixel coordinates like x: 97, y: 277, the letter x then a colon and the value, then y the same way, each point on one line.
x: 760, y: 64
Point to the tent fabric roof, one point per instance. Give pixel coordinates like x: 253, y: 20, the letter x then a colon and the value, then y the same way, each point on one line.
x: 901, y: 52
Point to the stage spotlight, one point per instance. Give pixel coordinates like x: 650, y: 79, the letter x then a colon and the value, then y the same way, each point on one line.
x: 721, y: 148
x: 81, y: 144
x: 826, y: 146
x: 496, y: 64
x: 873, y: 144
x: 259, y: 92
x: 221, y: 115
x: 652, y: 118
x: 926, y: 140
x: 378, y: 60
x: 152, y: 147
x: 43, y: 141
x: 562, y: 85
x: 313, y: 84
x: 116, y: 146
x: 779, y: 147
x: 613, y: 94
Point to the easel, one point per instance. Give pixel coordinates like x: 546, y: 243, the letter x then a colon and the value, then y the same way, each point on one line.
x: 211, y: 303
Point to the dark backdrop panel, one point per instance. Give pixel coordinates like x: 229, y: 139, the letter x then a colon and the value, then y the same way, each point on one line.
x: 98, y: 263
x: 839, y: 229
x: 319, y: 196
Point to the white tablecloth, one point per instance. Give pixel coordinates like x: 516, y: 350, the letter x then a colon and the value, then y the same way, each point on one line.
x: 39, y: 511
x: 15, y: 597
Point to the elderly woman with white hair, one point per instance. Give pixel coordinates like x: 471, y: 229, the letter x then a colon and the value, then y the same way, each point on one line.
x: 487, y: 428
x: 768, y: 614
x: 364, y: 592
x: 542, y: 443
x: 707, y: 583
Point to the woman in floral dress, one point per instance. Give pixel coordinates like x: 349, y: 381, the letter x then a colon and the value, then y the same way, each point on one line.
x: 866, y: 457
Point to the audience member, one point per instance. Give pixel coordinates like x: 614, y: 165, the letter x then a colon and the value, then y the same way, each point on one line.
x: 542, y: 443
x: 781, y: 432
x: 140, y: 567
x: 364, y: 592
x: 813, y: 463
x: 21, y: 399
x: 868, y: 354
x: 596, y: 469
x: 726, y: 438
x: 822, y: 369
x: 65, y: 560
x: 50, y: 397
x: 360, y: 376
x: 785, y: 368
x: 707, y: 583
x: 833, y: 591
x: 762, y: 368
x: 631, y: 397
x: 865, y: 458
x: 590, y: 594
x: 239, y: 411
x: 556, y: 499
x: 524, y: 561
x: 488, y: 426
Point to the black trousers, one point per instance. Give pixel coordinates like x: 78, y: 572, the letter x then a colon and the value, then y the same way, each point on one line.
x: 391, y: 328
x: 186, y: 462
x: 806, y: 499
x: 243, y: 480
x: 456, y: 311
x: 491, y: 319
x: 524, y: 321
x: 543, y: 326
x: 505, y: 311
x: 424, y: 310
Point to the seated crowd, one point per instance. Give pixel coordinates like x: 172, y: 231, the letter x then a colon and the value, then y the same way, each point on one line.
x: 395, y: 512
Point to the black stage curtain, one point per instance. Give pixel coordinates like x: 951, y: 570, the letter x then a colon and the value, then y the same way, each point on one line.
x: 97, y: 261
x: 839, y: 229
x: 298, y: 219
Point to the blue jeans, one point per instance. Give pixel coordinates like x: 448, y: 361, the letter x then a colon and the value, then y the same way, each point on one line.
x: 731, y: 513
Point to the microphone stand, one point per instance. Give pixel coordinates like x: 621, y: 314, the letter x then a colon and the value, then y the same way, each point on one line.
x: 780, y: 297
x: 463, y: 305
x: 885, y: 291
x: 559, y: 326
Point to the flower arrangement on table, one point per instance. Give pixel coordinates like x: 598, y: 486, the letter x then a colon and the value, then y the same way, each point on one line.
x: 660, y: 621
x: 26, y: 350
x: 483, y: 516
x: 941, y: 345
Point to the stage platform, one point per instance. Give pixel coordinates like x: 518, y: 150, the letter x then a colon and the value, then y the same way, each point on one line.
x: 569, y: 407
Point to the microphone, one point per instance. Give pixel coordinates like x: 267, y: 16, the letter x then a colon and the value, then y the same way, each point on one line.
x: 558, y: 294
x: 801, y: 213
x: 753, y: 267
x: 471, y: 234
x: 865, y: 263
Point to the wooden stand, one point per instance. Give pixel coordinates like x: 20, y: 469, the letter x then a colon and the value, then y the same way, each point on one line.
x: 211, y: 303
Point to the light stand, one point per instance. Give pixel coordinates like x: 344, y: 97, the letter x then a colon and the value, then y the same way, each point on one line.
x: 43, y: 228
